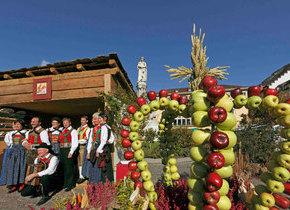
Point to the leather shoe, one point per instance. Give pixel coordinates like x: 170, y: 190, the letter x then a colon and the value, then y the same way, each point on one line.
x: 13, y: 189
x: 43, y: 200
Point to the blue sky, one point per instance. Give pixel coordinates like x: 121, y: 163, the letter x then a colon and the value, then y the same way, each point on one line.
x: 251, y: 36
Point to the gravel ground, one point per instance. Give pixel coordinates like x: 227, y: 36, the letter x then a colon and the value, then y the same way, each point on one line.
x: 15, y: 201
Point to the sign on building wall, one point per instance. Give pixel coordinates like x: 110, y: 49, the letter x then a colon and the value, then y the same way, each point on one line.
x: 42, y: 89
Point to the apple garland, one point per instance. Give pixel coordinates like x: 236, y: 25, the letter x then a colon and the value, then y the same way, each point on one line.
x: 131, y: 140
x: 212, y: 108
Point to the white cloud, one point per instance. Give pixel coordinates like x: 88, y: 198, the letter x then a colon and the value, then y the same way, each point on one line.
x: 44, y: 63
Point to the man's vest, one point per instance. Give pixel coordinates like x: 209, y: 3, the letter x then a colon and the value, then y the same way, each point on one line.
x: 34, y: 136
x: 65, y: 136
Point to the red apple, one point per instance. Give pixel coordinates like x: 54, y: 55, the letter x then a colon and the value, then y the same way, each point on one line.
x: 213, y: 182
x: 138, y: 184
x: 288, y: 101
x: 151, y: 95
x: 254, y: 91
x: 274, y: 208
x: 219, y: 140
x: 174, y: 96
x: 236, y: 92
x: 128, y: 155
x: 216, y: 160
x: 124, y: 133
x: 217, y: 114
x: 183, y: 100
x: 163, y: 93
x: 131, y: 109
x: 287, y: 188
x: 212, y: 197
x: 207, y: 82
x: 135, y: 175
x: 132, y: 165
x: 281, y: 201
x: 141, y: 101
x: 126, y: 121
x: 126, y: 143
x: 210, y: 207
x: 216, y: 92
x: 270, y: 91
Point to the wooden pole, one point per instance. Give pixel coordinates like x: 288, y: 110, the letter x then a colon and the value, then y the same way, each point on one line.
x: 7, y: 76
x: 29, y: 74
x: 80, y: 67
x: 53, y: 70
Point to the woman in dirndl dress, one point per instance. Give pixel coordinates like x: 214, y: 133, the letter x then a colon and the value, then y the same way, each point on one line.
x: 94, y: 172
x: 16, y: 164
x: 8, y: 142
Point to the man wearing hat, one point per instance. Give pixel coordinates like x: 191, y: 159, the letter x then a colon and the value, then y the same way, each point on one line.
x: 46, y: 174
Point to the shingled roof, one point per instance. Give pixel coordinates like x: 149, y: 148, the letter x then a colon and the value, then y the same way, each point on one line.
x: 274, y: 76
x: 97, y: 63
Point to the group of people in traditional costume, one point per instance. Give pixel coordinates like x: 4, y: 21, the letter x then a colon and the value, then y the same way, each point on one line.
x: 41, y: 162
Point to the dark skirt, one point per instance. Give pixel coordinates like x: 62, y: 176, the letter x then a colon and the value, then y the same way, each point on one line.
x: 3, y: 177
x: 107, y: 172
x: 94, y: 170
x: 69, y: 167
x: 16, y: 165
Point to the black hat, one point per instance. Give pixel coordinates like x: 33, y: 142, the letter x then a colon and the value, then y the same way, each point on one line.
x: 43, y: 145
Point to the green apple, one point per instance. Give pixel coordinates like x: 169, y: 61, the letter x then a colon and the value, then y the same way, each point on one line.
x: 232, y: 138
x: 224, y: 190
x: 163, y: 102
x: 240, y: 101
x: 226, y: 103
x: 161, y: 126
x: 281, y: 174
x: 134, y: 125
x: 139, y: 155
x: 198, y: 153
x: 285, y: 133
x: 229, y: 156
x: 173, y: 105
x: 198, y: 170
x: 146, y: 175
x: 152, y: 206
x: 152, y: 196
x: 198, y: 95
x: 136, y: 145
x: 224, y: 203
x: 201, y: 105
x: 270, y: 101
x: 138, y: 116
x: 195, y: 198
x: 148, y: 186
x: 167, y: 176
x: 254, y: 102
x: 200, y: 119
x: 172, y: 161
x: 284, y: 160
x: 285, y: 146
x: 225, y: 172
x: 267, y: 199
x: 181, y: 108
x: 154, y: 105
x: 173, y: 169
x: 275, y: 186
x: 142, y: 165
x: 175, y: 176
x: 260, y: 207
x: 229, y: 124
x: 192, y: 206
x: 284, y: 121
x: 282, y: 109
x: 133, y: 136
x: 145, y: 109
x: 200, y: 136
x: 196, y: 185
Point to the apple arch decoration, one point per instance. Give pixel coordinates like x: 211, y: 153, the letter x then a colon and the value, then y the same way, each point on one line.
x: 212, y: 115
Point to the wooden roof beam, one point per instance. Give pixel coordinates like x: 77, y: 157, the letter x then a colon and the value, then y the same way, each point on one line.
x: 80, y: 67
x: 7, y: 76
x: 29, y: 74
x: 53, y: 70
